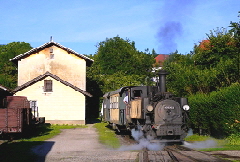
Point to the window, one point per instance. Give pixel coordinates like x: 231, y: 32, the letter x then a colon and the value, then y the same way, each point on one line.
x: 51, y: 56
x: 47, y: 85
x: 51, y: 53
x: 137, y: 93
x: 51, y: 50
x: 114, y: 102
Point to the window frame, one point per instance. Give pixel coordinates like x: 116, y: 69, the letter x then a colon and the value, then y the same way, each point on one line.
x: 48, y: 86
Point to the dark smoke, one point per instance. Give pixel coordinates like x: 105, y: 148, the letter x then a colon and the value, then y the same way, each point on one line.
x: 173, y: 15
x: 168, y: 34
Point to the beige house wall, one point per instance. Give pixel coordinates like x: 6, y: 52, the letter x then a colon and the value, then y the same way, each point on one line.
x: 67, y: 66
x: 62, y: 106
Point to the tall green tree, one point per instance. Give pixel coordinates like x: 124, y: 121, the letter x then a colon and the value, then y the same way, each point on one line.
x: 118, y: 63
x: 116, y: 54
x: 8, y: 71
x: 220, y: 44
x: 235, y: 29
x: 213, y: 64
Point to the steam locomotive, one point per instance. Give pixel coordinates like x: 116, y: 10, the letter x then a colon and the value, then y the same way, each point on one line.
x: 158, y: 114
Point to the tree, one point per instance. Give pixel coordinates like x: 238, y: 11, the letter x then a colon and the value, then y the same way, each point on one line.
x: 236, y: 33
x: 219, y: 45
x: 8, y: 71
x: 116, y: 54
x: 213, y: 64
x: 118, y: 63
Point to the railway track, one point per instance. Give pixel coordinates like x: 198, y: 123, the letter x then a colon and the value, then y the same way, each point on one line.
x: 177, y: 153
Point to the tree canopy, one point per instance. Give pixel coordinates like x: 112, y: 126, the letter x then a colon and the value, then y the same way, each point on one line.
x: 214, y: 63
x: 116, y: 54
x: 118, y: 63
x: 8, y: 71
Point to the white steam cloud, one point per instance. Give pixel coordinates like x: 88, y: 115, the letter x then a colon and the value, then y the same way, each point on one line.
x: 201, y: 145
x: 142, y: 143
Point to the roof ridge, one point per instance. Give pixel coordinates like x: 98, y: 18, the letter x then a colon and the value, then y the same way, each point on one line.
x: 47, y: 73
x: 44, y: 45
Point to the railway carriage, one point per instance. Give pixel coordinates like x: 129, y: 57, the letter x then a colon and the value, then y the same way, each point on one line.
x: 16, y: 116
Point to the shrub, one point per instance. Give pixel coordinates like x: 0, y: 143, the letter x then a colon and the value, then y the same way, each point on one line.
x: 233, y: 139
x: 217, y: 113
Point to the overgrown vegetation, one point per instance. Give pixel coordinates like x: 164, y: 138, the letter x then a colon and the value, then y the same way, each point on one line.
x: 107, y: 136
x: 20, y: 150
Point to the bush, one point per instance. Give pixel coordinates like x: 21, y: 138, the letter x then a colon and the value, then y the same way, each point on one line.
x: 217, y: 113
x: 233, y: 139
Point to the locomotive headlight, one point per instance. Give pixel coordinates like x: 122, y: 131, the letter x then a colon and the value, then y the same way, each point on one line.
x: 186, y: 107
x: 149, y: 108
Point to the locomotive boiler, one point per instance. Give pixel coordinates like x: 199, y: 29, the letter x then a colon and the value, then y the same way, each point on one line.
x: 157, y: 113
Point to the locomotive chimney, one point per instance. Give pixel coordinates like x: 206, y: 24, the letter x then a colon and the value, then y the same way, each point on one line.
x: 162, y: 80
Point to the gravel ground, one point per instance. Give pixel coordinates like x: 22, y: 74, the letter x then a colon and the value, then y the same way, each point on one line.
x: 80, y: 144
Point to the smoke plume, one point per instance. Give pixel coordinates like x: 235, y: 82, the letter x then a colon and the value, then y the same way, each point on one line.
x: 173, y: 16
x: 167, y: 36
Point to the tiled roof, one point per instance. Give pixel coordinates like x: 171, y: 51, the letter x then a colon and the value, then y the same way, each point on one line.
x: 88, y: 60
x: 41, y: 77
x: 161, y: 57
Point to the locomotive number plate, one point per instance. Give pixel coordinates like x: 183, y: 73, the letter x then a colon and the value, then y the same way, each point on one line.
x: 169, y: 107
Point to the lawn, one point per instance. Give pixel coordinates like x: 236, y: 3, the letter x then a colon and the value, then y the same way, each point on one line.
x: 107, y: 136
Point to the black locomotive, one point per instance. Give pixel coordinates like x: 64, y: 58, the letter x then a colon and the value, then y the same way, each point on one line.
x: 159, y: 114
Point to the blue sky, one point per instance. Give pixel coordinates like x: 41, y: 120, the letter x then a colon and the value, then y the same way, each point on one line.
x: 165, y: 25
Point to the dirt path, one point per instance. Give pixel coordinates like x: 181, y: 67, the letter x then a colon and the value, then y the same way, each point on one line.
x: 80, y: 144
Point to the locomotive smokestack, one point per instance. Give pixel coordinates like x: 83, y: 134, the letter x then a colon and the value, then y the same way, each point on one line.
x: 162, y: 80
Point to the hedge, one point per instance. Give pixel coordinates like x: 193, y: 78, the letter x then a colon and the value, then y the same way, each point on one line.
x: 217, y: 113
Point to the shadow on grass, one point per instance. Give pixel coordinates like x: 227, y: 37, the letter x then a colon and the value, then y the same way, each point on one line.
x: 39, y: 130
x: 34, y: 131
x: 121, y: 131
x: 24, y: 151
x: 93, y: 121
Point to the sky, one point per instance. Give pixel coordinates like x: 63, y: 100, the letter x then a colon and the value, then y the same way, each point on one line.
x: 162, y: 25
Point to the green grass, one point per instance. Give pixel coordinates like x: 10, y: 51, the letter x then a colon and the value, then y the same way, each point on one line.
x: 107, y: 136
x: 230, y: 143
x: 20, y: 150
x: 195, y: 137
